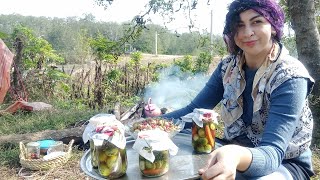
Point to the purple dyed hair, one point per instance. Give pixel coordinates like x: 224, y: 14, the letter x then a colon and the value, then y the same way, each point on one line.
x: 269, y: 9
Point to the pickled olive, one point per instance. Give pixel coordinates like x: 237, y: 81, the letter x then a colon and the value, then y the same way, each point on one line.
x: 111, y: 161
x: 212, y: 126
x: 207, y: 148
x: 111, y: 151
x: 102, y: 157
x: 200, y: 149
x: 149, y: 165
x: 104, y: 170
x: 202, y: 141
x: 201, y: 132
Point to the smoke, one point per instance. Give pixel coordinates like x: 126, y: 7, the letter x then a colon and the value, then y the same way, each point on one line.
x: 175, y: 88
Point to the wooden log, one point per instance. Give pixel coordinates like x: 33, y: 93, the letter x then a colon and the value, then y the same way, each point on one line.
x: 128, y: 113
x: 47, y: 134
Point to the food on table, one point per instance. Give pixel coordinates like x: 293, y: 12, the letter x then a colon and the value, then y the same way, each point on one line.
x: 159, y: 167
x: 166, y: 125
x: 112, y: 161
x: 203, y: 138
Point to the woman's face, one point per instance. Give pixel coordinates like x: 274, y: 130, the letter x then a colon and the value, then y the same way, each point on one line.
x: 253, y: 33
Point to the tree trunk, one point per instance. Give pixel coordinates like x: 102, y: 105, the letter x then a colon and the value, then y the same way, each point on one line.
x: 18, y: 61
x: 302, y: 13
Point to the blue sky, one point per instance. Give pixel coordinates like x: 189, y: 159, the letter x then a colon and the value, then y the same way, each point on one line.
x: 120, y: 11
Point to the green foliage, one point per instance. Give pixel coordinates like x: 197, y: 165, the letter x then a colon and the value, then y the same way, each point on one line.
x: 37, y: 52
x: 202, y: 62
x: 114, y: 76
x: 3, y: 35
x: 70, y: 37
x: 103, y: 49
x: 198, y: 65
x: 35, y: 58
x: 9, y: 155
x: 136, y: 58
x: 290, y: 44
x: 185, y: 64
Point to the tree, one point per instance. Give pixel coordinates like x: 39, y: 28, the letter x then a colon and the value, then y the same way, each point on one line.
x: 303, y: 19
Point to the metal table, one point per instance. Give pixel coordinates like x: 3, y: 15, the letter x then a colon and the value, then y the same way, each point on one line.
x: 184, y: 165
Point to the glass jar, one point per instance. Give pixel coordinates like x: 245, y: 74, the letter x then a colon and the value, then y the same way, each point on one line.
x: 33, y: 150
x: 159, y: 167
x: 203, y: 138
x: 55, y: 147
x: 45, y: 145
x: 94, y: 157
x: 112, y: 161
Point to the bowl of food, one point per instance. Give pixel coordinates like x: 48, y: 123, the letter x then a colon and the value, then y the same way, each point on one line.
x: 171, y: 126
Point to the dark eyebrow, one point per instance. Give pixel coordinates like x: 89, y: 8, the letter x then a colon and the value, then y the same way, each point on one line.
x: 255, y: 17
x: 259, y: 15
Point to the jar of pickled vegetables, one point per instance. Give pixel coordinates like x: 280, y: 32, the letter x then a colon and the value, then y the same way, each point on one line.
x: 108, y: 148
x: 203, y: 138
x: 112, y: 161
x: 154, y: 148
x: 156, y: 168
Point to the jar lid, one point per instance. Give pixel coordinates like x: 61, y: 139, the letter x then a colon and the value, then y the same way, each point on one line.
x: 33, y: 144
x: 44, y: 144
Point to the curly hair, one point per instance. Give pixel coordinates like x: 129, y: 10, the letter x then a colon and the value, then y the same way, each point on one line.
x: 269, y: 9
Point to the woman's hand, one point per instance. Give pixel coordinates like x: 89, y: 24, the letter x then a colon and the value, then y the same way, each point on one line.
x: 225, y: 161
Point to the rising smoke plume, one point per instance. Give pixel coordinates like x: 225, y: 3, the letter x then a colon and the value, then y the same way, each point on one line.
x: 175, y: 88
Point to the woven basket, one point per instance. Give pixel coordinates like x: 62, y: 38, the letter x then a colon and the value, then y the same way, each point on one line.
x: 41, y: 164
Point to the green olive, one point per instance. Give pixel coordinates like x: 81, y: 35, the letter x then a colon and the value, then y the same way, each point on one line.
x: 207, y: 148
x: 111, y: 151
x: 149, y: 165
x: 201, y: 133
x: 200, y: 149
x: 104, y: 170
x: 111, y: 161
x: 202, y: 141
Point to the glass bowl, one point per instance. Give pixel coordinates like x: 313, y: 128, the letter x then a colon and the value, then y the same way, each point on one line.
x: 171, y: 126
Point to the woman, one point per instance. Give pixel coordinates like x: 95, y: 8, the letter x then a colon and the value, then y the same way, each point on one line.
x: 263, y: 93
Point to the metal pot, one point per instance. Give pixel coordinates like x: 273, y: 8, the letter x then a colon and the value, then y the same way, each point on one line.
x: 151, y: 110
